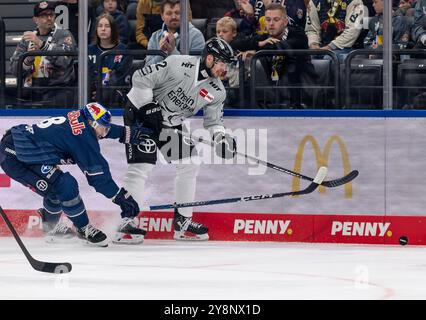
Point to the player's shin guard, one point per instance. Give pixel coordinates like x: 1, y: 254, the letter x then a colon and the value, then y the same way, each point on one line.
x: 56, y: 229
x: 74, y: 209
x: 50, y: 213
x: 129, y: 233
x: 186, y: 229
x: 134, y: 181
x: 185, y: 183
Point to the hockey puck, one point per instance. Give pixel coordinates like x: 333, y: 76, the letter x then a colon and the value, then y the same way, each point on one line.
x: 403, y: 240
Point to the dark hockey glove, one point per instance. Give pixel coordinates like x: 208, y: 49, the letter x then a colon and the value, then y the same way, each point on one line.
x: 129, y: 207
x: 225, y: 145
x: 135, y: 134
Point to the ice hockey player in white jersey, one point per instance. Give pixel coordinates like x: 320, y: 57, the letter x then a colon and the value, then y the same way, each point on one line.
x: 163, y: 95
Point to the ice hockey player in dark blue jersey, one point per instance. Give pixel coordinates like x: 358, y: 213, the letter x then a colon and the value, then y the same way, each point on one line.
x: 30, y: 154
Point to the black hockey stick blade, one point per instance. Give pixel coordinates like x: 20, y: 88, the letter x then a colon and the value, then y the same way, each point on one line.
x: 42, y: 266
x: 341, y: 181
x: 322, y: 172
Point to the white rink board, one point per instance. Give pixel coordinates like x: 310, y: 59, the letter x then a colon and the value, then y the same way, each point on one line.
x: 389, y: 154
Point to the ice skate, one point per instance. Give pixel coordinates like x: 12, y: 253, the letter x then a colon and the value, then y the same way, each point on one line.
x: 61, y: 233
x: 129, y: 233
x: 56, y: 231
x: 93, y: 236
x: 186, y: 229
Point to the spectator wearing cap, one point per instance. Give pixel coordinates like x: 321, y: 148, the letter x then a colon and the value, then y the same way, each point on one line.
x: 44, y: 71
x: 148, y: 14
x: 167, y: 38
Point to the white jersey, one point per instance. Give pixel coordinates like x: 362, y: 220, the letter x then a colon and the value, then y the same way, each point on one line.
x: 353, y: 25
x: 174, y: 83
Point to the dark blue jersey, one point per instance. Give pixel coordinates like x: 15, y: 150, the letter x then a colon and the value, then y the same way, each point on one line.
x: 114, y: 67
x: 67, y: 140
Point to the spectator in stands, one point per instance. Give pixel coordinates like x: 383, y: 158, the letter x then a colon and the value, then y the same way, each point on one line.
x: 72, y: 15
x: 419, y: 28
x: 401, y: 29
x: 167, y: 38
x: 255, y: 10
x: 287, y: 68
x: 334, y: 25
x: 47, y: 71
x: 115, y: 68
x: 122, y: 6
x: 208, y: 9
x: 246, y: 27
x: 405, y: 8
x: 149, y: 20
x: 226, y: 29
x: 111, y: 7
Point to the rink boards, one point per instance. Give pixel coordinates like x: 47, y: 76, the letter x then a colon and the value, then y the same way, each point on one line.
x: 386, y: 200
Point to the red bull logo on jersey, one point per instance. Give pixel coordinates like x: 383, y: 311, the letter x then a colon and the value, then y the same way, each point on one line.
x: 76, y: 126
x: 206, y: 95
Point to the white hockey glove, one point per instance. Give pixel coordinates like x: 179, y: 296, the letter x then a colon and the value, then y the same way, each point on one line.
x: 225, y: 145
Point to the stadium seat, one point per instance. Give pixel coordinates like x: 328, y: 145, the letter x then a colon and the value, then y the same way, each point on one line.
x: 131, y: 11
x: 211, y: 28
x: 200, y: 24
x: 410, y: 80
x: 321, y: 97
x: 132, y: 35
x: 365, y: 85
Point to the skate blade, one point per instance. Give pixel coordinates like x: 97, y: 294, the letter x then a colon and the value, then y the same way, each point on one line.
x: 190, y: 237
x: 102, y: 244
x: 123, y: 238
x: 60, y: 240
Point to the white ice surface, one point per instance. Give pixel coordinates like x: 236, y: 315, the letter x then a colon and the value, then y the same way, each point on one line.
x: 161, y: 269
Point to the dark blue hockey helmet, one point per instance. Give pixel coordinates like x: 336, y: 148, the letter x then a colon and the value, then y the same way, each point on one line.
x: 97, y: 114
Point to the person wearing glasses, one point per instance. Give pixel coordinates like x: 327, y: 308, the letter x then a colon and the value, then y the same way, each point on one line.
x: 46, y: 71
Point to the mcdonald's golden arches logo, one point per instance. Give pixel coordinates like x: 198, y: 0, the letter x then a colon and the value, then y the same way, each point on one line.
x: 322, y: 160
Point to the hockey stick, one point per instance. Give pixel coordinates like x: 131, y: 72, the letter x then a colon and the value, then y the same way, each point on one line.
x: 329, y: 184
x: 322, y: 172
x: 36, y: 264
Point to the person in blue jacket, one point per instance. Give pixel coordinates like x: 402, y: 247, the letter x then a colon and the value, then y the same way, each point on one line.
x: 30, y: 154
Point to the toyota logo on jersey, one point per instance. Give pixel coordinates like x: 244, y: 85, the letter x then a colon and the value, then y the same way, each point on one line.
x: 206, y: 95
x: 149, y: 146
